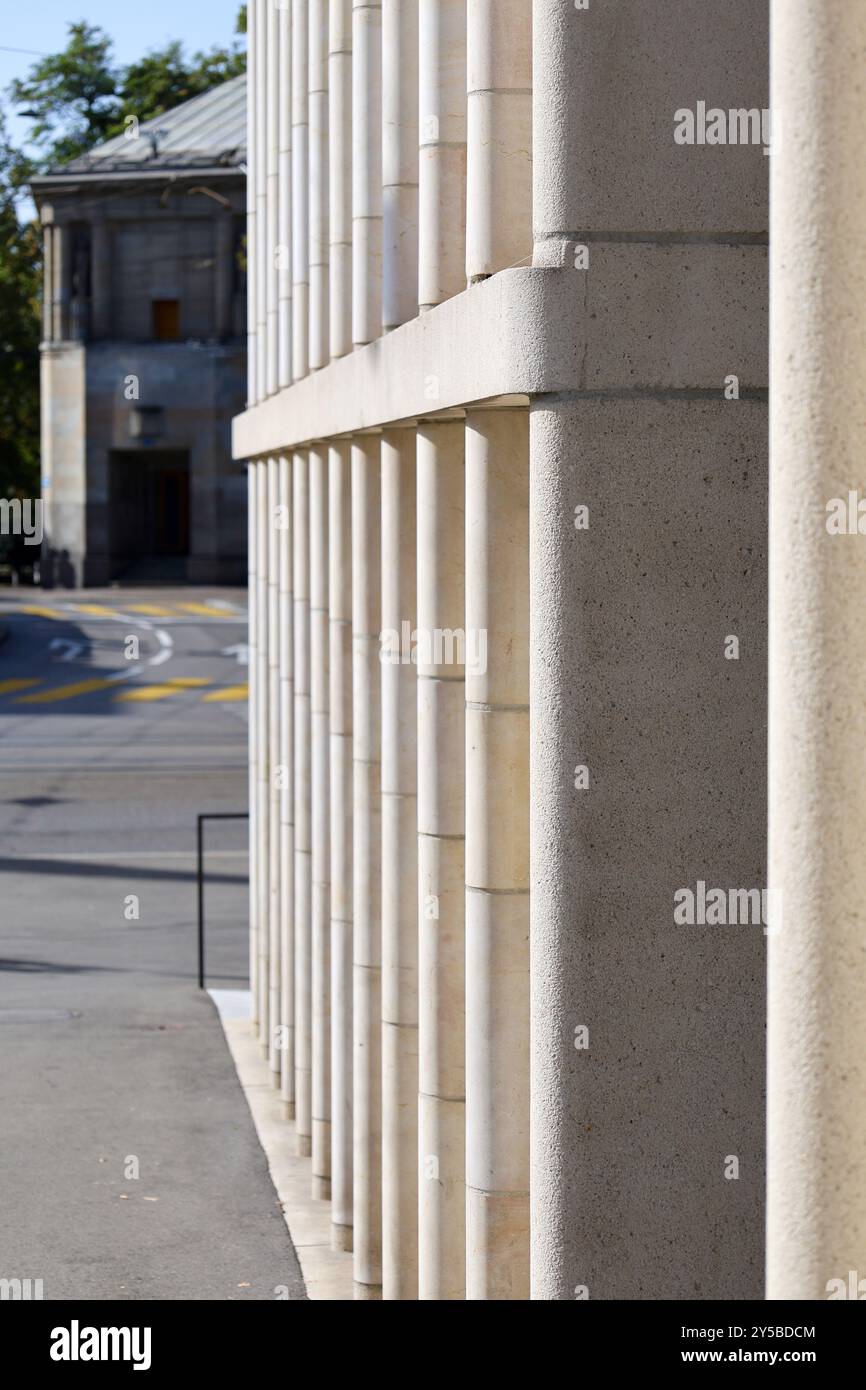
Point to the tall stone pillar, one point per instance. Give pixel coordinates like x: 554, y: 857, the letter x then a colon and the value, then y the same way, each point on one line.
x: 274, y: 794
x: 252, y: 229
x: 284, y: 200
x: 340, y: 175
x: 320, y: 345
x: 320, y: 823
x: 497, y: 854
x: 816, y: 1197
x: 340, y: 603
x: 252, y: 705
x: 300, y: 193
x: 441, y: 890
x: 442, y: 154
x: 62, y: 271
x: 100, y: 278
x: 48, y: 281
x: 272, y: 71
x: 648, y: 660
x: 287, y: 791
x: 260, y: 160
x: 399, y: 870
x: 399, y: 162
x: 303, y: 792
x: 367, y: 865
x: 263, y: 851
x: 366, y: 171
x: 499, y: 136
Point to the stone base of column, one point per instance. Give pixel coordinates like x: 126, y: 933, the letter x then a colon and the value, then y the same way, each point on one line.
x: 341, y: 1238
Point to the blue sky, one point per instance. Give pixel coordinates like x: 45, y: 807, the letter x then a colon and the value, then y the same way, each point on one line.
x: 134, y: 27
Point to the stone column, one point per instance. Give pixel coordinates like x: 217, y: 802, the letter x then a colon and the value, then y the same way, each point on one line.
x: 287, y: 792
x: 320, y: 823
x: 366, y: 171
x: 100, y: 277
x: 223, y: 238
x: 816, y: 1227
x: 261, y: 223
x: 263, y: 851
x: 61, y: 266
x: 442, y: 154
x: 497, y: 854
x: 340, y: 172
x: 252, y: 707
x: 499, y: 136
x: 367, y: 865
x: 648, y: 506
x: 399, y: 870
x: 399, y: 162
x: 274, y: 794
x: 300, y: 193
x: 272, y: 191
x: 320, y: 346
x: 252, y: 230
x: 441, y: 889
x: 48, y: 281
x: 340, y: 602
x: 284, y: 200
x: 303, y: 830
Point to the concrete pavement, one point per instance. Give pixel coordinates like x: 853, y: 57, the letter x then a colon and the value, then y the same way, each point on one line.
x: 114, y: 1064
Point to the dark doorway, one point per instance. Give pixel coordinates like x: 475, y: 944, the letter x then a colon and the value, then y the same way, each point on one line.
x: 149, y: 513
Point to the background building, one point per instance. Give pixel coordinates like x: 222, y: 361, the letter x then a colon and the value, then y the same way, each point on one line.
x: 508, y: 374
x: 143, y: 357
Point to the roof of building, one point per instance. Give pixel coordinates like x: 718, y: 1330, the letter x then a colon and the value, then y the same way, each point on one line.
x: 207, y: 132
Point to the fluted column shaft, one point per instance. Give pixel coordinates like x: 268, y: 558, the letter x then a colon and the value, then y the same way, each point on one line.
x: 340, y: 174
x: 258, y: 170
x: 303, y: 829
x: 340, y: 606
x: 320, y: 824
x: 442, y: 155
x: 497, y: 854
x: 366, y: 171
x: 287, y: 798
x: 320, y: 346
x: 300, y: 193
x: 272, y: 68
x: 274, y: 795
x: 367, y: 866
x: 252, y: 705
x: 263, y: 851
x: 399, y: 162
x: 284, y: 199
x: 399, y: 870
x: 441, y: 890
x: 252, y: 231
x: 499, y: 136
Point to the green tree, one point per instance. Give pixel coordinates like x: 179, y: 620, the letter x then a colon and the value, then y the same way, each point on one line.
x: 71, y: 97
x: 165, y: 77
x: 20, y: 280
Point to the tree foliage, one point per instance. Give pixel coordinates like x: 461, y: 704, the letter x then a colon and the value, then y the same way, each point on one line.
x: 20, y: 277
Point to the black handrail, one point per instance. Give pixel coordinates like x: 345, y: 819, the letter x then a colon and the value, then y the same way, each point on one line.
x: 199, y: 828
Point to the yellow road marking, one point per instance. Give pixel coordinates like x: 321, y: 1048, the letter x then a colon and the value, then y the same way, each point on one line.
x: 36, y: 612
x: 150, y: 609
x: 7, y: 687
x: 228, y: 694
x: 206, y: 609
x: 96, y: 610
x: 164, y: 689
x: 63, y: 692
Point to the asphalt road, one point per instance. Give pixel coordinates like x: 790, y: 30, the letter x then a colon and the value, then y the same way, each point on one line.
x: 113, y: 1062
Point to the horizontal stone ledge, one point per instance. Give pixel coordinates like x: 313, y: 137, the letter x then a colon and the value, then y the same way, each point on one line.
x: 642, y: 318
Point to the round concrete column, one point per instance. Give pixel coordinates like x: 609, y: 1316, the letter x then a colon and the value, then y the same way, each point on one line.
x: 287, y: 797
x: 399, y: 870
x: 252, y: 230
x: 340, y: 602
x: 274, y: 795
x: 366, y: 171
x: 399, y: 162
x: 441, y: 889
x: 499, y: 136
x: 340, y: 172
x: 258, y: 171
x: 302, y: 778
x: 284, y: 200
x: 300, y: 194
x: 320, y: 347
x: 272, y: 69
x: 442, y: 153
x: 367, y: 866
x: 263, y: 850
x: 497, y: 854
x: 320, y: 822
x: 816, y: 1217
x: 252, y: 706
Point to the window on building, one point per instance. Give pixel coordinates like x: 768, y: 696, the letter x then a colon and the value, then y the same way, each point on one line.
x: 166, y: 320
